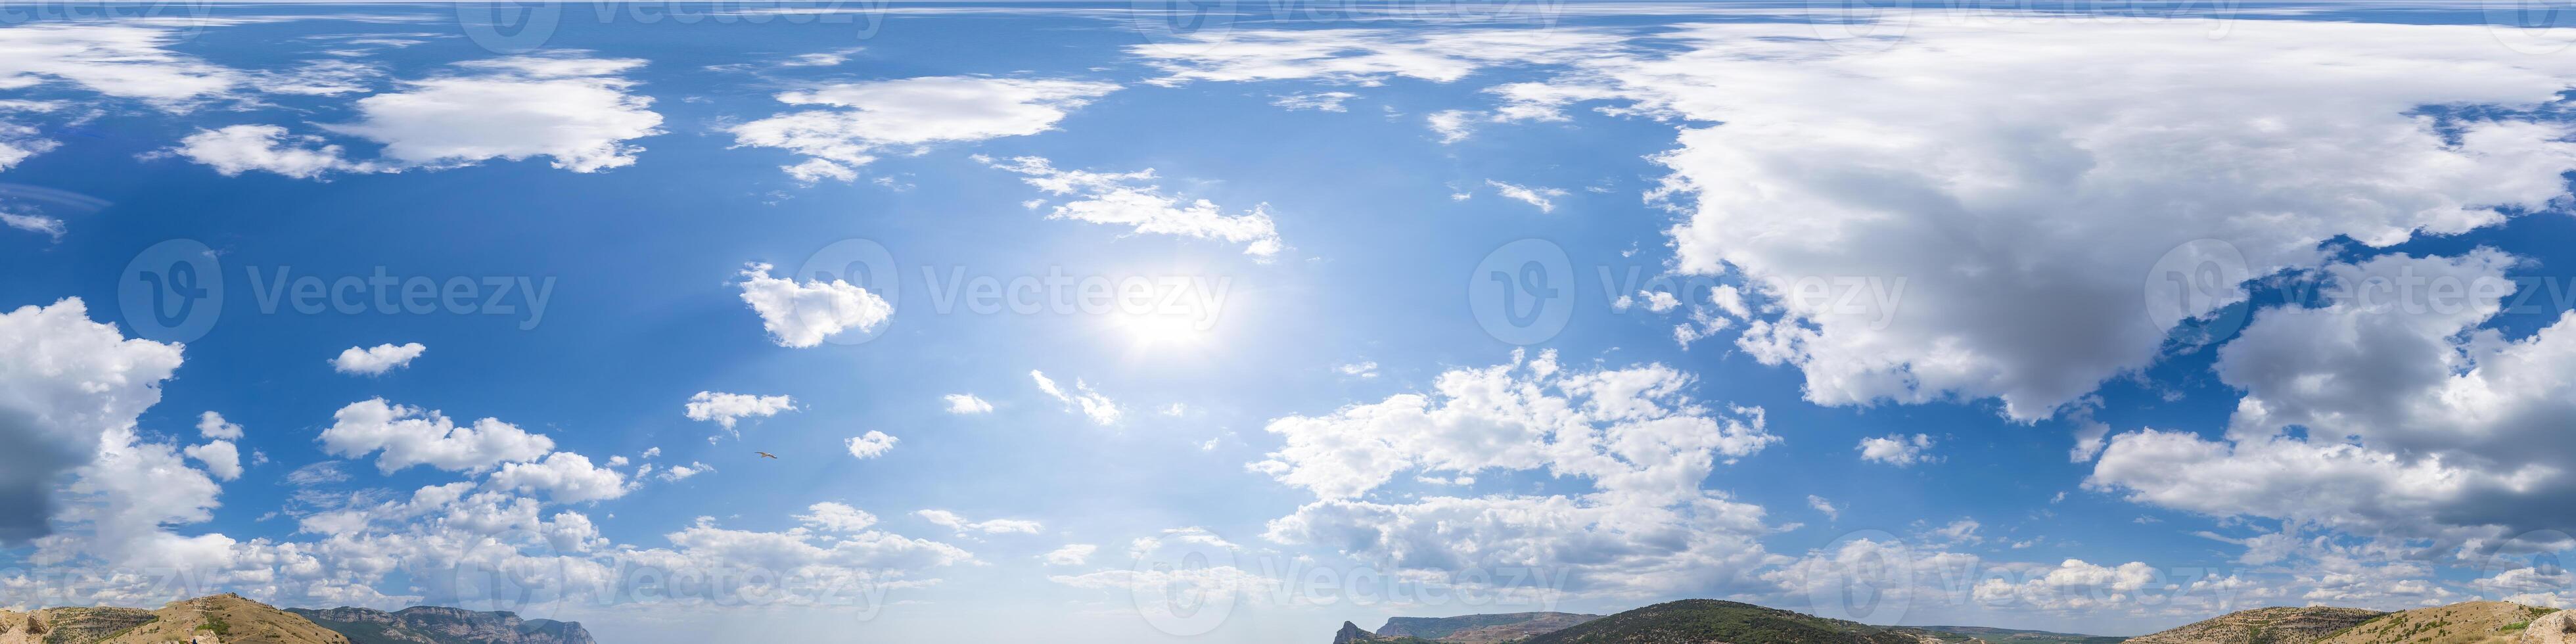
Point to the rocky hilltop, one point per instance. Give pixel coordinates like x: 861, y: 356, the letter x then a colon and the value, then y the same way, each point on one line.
x: 439, y: 625
x: 230, y: 619
x: 2306, y: 625
x: 1481, y: 629
x: 218, y: 619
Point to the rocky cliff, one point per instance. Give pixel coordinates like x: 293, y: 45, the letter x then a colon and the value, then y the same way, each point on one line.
x: 440, y: 625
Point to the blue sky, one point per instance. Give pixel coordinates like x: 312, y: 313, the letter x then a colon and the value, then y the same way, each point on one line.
x: 1920, y: 332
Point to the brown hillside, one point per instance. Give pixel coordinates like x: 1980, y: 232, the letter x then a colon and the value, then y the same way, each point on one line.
x: 2462, y: 623
x: 2264, y: 626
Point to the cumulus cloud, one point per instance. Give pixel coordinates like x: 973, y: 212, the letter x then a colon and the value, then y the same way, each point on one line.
x: 965, y: 404
x: 1897, y: 449
x: 376, y: 360
x: 836, y: 517
x: 1963, y: 136
x: 902, y: 115
x: 2391, y: 409
x: 71, y: 382
x: 235, y: 149
x: 2039, y: 315
x: 804, y: 314
x: 1100, y: 409
x: 213, y: 426
x: 564, y: 477
x: 575, y: 110
x: 409, y: 436
x: 725, y: 409
x: 1635, y: 434
x: 952, y: 521
x: 1126, y: 199
x: 872, y: 444
x: 221, y: 458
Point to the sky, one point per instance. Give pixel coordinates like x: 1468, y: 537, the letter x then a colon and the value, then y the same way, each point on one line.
x: 1232, y: 321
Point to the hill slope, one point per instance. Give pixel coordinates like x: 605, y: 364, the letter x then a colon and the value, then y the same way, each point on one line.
x: 2462, y: 623
x: 1709, y: 621
x: 228, y: 618
x: 1481, y: 629
x: 437, y: 625
x: 2264, y: 626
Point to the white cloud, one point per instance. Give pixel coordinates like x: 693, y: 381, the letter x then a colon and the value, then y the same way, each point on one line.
x: 952, y: 521
x: 1363, y: 369
x: 1533, y: 196
x: 411, y: 436
x: 1452, y: 126
x: 2388, y: 410
x: 803, y: 315
x: 574, y: 110
x: 118, y: 60
x: 726, y: 409
x: 872, y: 444
x: 1642, y: 442
x: 837, y: 517
x: 966, y: 404
x: 39, y: 224
x: 1821, y: 505
x: 1125, y: 199
x: 1072, y: 554
x: 1318, y: 101
x: 565, y: 477
x: 1897, y: 449
x: 2039, y: 315
x: 120, y: 503
x: 71, y: 382
x: 1365, y: 56
x: 213, y: 426
x: 677, y: 472
x: 375, y: 361
x: 220, y: 457
x: 1100, y: 409
x: 236, y: 149
x: 902, y: 115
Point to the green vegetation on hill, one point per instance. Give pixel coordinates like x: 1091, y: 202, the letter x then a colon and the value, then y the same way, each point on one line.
x: 1709, y: 621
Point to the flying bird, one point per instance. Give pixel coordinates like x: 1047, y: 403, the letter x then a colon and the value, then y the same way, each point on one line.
x: 766, y: 455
